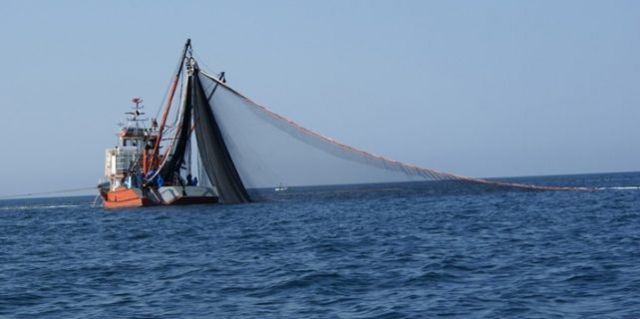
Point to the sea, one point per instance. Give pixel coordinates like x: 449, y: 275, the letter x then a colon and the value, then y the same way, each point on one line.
x: 346, y: 252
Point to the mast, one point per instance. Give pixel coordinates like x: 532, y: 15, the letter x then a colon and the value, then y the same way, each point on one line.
x: 154, y: 155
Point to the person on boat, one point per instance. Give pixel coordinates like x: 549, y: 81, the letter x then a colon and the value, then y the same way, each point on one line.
x: 139, y: 179
x: 195, y: 181
x: 160, y: 181
x: 189, y: 180
x: 149, y: 181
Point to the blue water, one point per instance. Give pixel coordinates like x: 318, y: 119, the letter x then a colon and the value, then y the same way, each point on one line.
x: 341, y: 253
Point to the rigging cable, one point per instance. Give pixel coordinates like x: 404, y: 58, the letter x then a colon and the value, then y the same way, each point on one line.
x: 47, y: 193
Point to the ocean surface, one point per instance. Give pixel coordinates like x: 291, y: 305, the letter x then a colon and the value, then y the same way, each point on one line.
x: 386, y: 252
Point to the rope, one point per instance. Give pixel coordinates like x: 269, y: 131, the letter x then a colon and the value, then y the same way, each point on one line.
x: 48, y: 193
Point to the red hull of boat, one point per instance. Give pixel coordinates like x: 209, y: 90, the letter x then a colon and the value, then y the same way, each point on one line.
x: 128, y: 198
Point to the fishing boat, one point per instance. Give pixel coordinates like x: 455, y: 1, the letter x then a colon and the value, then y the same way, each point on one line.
x: 132, y: 184
x: 239, y: 145
x: 138, y: 173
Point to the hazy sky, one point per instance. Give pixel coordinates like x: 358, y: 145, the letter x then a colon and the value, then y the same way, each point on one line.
x: 478, y: 88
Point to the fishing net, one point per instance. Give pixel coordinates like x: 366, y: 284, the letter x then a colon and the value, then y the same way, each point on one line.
x: 269, y: 150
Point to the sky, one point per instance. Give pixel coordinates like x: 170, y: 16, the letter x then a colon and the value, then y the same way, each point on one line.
x: 475, y: 88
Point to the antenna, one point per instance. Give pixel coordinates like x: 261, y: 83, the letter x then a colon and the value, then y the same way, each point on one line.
x: 136, y: 111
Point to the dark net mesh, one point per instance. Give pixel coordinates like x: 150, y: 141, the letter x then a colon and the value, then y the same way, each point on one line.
x: 216, y: 160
